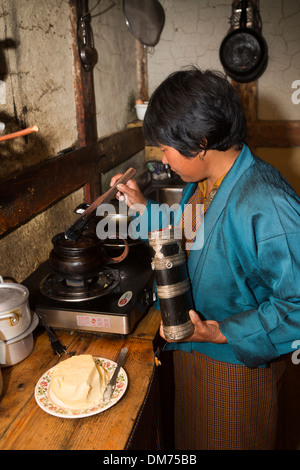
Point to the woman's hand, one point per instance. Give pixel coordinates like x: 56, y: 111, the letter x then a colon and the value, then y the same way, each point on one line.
x: 207, y: 331
x: 129, y: 191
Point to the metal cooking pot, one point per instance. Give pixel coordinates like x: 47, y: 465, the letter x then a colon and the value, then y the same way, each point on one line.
x: 17, y: 349
x: 113, y: 224
x: 244, y: 52
x: 15, y: 313
x: 116, y: 226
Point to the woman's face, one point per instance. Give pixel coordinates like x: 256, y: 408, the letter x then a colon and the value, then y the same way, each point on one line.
x: 190, y: 169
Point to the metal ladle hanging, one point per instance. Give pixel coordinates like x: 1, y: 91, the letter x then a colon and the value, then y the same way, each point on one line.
x: 145, y: 20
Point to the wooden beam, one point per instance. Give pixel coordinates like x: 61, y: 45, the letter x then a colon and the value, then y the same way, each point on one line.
x: 274, y: 134
x: 261, y: 133
x: 248, y: 96
x: 142, y: 71
x: 84, y: 97
x: 38, y: 187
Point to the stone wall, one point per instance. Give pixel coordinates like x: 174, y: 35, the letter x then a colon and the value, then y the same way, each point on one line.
x: 194, y: 30
x: 192, y: 35
x: 36, y: 66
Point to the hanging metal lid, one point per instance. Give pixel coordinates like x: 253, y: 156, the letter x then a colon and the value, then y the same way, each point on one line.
x: 145, y: 19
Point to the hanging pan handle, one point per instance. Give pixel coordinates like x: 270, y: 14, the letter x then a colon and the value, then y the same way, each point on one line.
x: 243, y: 18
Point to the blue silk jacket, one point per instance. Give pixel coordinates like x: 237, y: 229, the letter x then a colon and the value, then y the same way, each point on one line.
x: 246, y: 273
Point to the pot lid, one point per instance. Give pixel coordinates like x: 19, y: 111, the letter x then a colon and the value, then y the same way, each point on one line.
x: 145, y: 19
x: 12, y: 295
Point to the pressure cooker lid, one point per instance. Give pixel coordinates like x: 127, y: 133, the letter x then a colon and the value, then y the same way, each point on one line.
x: 12, y: 295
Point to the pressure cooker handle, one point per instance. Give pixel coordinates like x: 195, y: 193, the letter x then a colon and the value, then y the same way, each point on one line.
x: 13, y: 315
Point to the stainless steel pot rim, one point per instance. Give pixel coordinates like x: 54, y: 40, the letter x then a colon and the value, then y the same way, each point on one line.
x: 117, y: 216
x: 33, y: 325
x: 12, y: 296
x: 111, y: 244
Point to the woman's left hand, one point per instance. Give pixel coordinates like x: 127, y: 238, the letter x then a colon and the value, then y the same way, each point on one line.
x: 206, y: 331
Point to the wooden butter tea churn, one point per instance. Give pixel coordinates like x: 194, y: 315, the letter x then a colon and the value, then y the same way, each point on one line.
x: 172, y: 283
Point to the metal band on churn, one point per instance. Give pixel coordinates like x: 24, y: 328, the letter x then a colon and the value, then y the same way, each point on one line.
x: 173, y: 284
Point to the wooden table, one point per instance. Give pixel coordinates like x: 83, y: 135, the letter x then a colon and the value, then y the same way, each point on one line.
x: 25, y: 426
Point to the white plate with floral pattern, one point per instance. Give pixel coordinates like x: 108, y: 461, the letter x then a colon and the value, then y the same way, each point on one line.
x: 42, y: 395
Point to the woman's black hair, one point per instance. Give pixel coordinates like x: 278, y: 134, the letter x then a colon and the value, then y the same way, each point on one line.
x: 192, y: 111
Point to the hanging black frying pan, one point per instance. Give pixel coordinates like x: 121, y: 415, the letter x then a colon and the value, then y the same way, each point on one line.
x: 244, y: 52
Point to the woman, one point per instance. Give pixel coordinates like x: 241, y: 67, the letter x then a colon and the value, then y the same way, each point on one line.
x: 245, y: 277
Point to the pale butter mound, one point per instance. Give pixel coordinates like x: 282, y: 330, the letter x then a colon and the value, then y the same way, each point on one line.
x: 78, y: 383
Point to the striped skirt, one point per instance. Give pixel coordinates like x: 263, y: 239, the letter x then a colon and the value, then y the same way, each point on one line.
x: 220, y: 406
